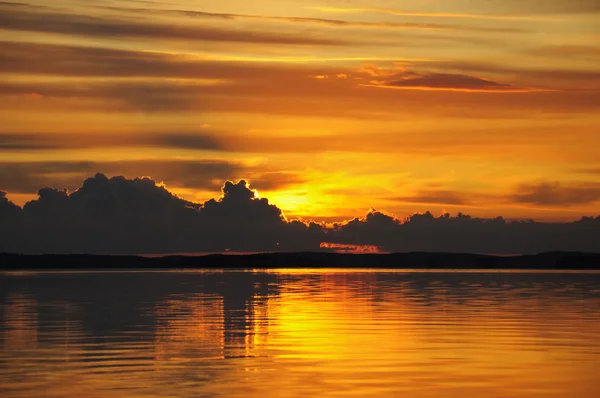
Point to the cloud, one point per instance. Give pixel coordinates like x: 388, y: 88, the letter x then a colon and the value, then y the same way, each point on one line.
x: 443, y: 82
x: 557, y: 194
x: 431, y: 14
x: 568, y: 51
x: 437, y: 196
x: 161, y: 82
x: 98, y: 27
x: 47, y: 141
x: 507, y: 10
x: 305, y: 20
x: 120, y: 215
x: 27, y: 177
x: 425, y: 232
x: 570, y: 77
x: 81, y: 61
x: 545, y: 7
x: 8, y: 209
x: 586, y: 170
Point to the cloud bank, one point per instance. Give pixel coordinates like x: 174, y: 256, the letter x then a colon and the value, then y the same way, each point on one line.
x: 138, y: 216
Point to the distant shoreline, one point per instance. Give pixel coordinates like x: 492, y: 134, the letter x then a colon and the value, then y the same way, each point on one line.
x: 414, y: 260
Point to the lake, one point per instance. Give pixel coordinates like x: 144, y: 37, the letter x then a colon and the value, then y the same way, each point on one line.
x: 299, y: 333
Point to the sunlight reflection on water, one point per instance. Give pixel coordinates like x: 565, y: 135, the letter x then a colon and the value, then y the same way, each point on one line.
x: 290, y: 333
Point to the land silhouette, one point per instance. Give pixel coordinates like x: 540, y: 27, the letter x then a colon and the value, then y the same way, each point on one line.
x: 417, y: 260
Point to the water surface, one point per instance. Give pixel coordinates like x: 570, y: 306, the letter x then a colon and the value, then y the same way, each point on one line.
x: 299, y: 334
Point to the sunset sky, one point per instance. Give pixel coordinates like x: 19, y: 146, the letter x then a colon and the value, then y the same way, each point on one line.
x: 327, y: 107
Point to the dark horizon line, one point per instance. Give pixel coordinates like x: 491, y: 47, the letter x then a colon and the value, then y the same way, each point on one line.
x: 419, y: 260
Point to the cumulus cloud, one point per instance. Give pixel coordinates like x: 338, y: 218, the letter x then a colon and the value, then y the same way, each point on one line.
x: 120, y: 215
x: 7, y: 208
x: 138, y: 216
x: 425, y: 232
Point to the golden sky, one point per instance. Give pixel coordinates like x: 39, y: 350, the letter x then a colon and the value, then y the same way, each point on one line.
x: 327, y: 107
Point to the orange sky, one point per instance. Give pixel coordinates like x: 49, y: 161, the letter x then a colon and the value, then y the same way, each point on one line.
x: 327, y: 107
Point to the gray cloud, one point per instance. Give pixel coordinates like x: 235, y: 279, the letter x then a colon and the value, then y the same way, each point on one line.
x: 566, y: 75
x: 448, y: 81
x: 557, y: 194
x: 65, y: 60
x: 13, y: 18
x: 46, y: 141
x: 436, y: 196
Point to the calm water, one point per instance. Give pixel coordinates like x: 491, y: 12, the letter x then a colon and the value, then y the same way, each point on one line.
x: 299, y: 334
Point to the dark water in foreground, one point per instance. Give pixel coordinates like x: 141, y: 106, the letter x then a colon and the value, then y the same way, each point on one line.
x: 299, y: 334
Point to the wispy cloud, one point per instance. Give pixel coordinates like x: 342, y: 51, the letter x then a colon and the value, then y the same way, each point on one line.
x: 93, y: 26
x: 432, y: 14
x: 444, y: 82
x: 554, y: 193
x: 318, y: 21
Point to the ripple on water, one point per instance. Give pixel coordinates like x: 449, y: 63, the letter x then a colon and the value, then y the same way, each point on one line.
x: 298, y: 334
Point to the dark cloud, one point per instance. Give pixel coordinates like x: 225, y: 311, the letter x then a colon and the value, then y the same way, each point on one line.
x: 447, y: 81
x: 120, y: 215
x: 442, y: 80
x: 45, y: 141
x: 436, y: 196
x: 13, y: 18
x: 424, y: 232
x: 31, y: 142
x: 550, y: 73
x: 557, y: 194
x: 27, y: 177
x: 80, y: 61
x: 7, y: 208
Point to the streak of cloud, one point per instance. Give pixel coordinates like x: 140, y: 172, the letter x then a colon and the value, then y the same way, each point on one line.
x: 402, y: 13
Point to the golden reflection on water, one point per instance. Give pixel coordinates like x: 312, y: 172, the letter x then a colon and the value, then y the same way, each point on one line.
x: 298, y: 334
